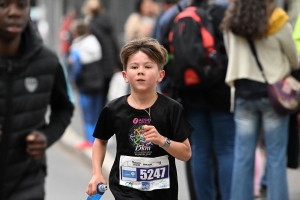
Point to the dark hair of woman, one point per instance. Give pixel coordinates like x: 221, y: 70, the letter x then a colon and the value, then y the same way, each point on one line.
x: 248, y: 18
x: 138, y: 6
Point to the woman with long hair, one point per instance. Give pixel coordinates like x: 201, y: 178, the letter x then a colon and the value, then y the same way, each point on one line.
x: 264, y: 26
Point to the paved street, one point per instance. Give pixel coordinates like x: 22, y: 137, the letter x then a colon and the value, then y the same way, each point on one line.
x: 68, y: 175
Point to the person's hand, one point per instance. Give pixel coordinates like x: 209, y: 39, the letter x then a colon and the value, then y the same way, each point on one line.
x: 92, y: 186
x: 152, y: 135
x: 36, y: 144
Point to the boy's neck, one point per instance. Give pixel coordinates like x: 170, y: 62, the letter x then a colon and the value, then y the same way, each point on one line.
x: 142, y: 101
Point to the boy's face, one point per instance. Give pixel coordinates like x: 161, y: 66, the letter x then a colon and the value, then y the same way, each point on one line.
x: 142, y: 73
x: 14, y: 16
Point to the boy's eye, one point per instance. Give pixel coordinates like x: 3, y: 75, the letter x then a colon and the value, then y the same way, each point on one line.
x: 148, y: 67
x: 23, y: 4
x: 3, y: 4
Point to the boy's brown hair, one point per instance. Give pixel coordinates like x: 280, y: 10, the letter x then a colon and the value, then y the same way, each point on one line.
x: 147, y: 45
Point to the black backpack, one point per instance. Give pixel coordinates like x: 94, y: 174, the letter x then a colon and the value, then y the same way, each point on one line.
x: 196, y: 63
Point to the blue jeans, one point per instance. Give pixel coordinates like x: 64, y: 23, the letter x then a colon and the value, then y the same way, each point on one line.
x: 250, y: 116
x: 213, y: 136
x: 91, y: 107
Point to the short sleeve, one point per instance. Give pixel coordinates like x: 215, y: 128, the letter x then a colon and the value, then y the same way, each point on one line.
x: 181, y: 127
x: 104, y: 129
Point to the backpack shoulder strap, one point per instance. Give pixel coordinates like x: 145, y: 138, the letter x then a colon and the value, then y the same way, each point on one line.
x: 205, y: 13
x: 179, y: 7
x: 207, y: 29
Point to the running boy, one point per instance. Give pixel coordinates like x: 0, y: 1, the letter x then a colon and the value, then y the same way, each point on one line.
x: 151, y: 130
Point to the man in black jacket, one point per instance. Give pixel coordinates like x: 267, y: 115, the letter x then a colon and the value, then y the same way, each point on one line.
x: 31, y: 80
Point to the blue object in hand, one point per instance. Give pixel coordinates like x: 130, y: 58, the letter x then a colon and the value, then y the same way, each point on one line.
x: 101, y: 188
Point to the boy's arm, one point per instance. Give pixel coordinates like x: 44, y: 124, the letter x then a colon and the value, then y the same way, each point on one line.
x: 98, y: 155
x: 179, y: 150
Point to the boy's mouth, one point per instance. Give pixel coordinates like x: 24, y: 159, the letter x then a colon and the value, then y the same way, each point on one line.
x: 14, y: 28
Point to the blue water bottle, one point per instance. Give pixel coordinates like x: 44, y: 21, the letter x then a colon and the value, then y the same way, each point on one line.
x: 101, y: 188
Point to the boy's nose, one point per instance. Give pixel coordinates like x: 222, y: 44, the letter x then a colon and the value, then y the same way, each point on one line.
x: 14, y: 10
x: 140, y: 70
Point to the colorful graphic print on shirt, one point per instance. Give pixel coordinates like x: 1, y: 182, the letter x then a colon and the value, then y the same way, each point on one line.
x: 137, y: 139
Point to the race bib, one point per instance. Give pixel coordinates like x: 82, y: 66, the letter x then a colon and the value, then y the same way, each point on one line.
x: 144, y: 173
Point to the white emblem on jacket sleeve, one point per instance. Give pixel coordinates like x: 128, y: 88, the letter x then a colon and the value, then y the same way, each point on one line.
x: 31, y: 83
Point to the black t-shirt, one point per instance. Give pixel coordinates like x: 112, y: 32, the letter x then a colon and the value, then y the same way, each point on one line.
x: 119, y: 118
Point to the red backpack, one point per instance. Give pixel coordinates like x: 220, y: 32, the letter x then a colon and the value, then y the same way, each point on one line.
x: 196, y: 63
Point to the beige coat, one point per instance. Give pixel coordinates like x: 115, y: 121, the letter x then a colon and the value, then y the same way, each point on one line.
x: 277, y: 53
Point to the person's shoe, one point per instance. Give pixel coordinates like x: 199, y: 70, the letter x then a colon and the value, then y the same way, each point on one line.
x: 84, y: 145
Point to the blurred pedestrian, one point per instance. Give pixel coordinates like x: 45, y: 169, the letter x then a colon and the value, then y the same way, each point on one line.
x: 161, y: 33
x: 260, y: 24
x: 293, y: 137
x: 65, y: 35
x: 32, y: 83
x: 167, y: 4
x: 101, y: 25
x: 164, y: 22
x: 85, y: 56
x: 151, y: 130
x: 208, y: 110
x: 141, y: 22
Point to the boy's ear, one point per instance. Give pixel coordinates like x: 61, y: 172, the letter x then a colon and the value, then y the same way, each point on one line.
x: 162, y: 74
x: 125, y: 76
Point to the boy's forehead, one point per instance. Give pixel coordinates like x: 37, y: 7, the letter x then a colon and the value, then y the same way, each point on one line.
x: 140, y: 58
x: 139, y: 55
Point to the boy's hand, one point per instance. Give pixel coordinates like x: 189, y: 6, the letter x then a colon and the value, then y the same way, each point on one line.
x: 152, y: 135
x: 92, y: 186
x: 36, y: 144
